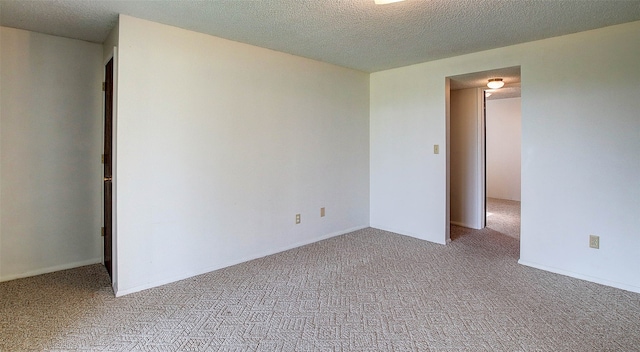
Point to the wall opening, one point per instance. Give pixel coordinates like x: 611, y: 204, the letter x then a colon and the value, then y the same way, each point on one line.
x: 483, y: 162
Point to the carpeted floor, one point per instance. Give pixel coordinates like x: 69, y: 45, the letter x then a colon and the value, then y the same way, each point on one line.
x: 504, y: 216
x: 369, y: 290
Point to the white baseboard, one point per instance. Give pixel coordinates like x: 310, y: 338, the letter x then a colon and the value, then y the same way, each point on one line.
x: 464, y: 225
x: 405, y: 233
x: 50, y: 269
x: 459, y: 224
x: 596, y: 280
x: 186, y: 275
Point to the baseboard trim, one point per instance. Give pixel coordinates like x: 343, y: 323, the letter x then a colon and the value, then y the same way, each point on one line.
x: 410, y: 234
x: 464, y: 225
x: 122, y: 292
x: 51, y: 269
x: 593, y: 279
x: 459, y: 224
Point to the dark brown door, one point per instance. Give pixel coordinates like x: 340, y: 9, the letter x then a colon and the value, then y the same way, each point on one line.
x: 108, y: 137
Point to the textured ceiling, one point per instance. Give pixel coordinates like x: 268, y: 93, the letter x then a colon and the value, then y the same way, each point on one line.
x: 350, y: 33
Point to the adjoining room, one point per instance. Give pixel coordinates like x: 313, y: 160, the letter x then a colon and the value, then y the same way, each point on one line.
x: 485, y: 158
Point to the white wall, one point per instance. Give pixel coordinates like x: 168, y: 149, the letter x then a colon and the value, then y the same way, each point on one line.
x: 504, y: 139
x: 408, y: 181
x: 466, y: 159
x: 580, y: 160
x: 109, y: 43
x: 220, y: 144
x: 50, y: 128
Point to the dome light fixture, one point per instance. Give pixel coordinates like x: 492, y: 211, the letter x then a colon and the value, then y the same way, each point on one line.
x: 382, y: 2
x: 495, y: 83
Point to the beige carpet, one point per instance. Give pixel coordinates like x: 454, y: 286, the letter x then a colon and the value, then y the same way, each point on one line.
x: 503, y: 216
x: 365, y: 291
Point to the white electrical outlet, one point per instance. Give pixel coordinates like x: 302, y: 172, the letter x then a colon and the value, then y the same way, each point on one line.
x: 594, y: 241
x: 297, y: 218
x: 321, y: 212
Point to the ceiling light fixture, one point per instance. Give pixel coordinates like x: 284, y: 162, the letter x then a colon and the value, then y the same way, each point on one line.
x: 495, y: 83
x: 382, y: 2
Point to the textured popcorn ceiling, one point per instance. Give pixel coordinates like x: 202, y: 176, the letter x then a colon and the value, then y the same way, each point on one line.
x: 351, y: 33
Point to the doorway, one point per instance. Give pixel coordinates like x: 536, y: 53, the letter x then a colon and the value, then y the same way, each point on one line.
x: 503, y: 151
x: 107, y: 166
x: 470, y: 168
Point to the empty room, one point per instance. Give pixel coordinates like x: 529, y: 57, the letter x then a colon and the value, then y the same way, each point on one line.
x: 284, y: 175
